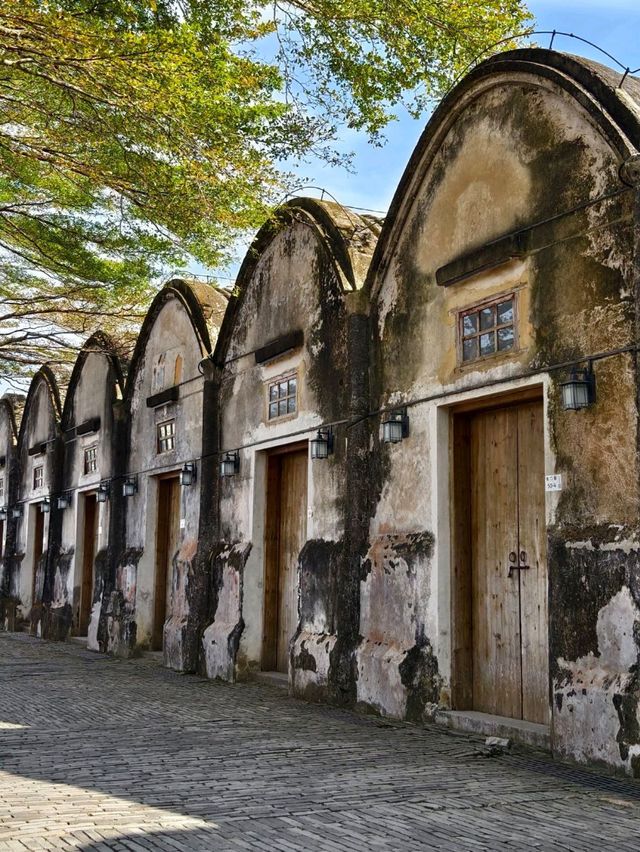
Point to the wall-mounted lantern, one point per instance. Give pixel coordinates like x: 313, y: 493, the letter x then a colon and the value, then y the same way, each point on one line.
x: 322, y: 445
x: 579, y: 391
x: 395, y: 426
x: 102, y: 494
x: 16, y: 512
x: 45, y: 506
x: 3, y: 513
x: 63, y: 501
x: 130, y: 486
x: 230, y: 463
x: 188, y: 474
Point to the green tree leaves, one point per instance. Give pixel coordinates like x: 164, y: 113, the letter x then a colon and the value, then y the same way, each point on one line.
x: 136, y: 133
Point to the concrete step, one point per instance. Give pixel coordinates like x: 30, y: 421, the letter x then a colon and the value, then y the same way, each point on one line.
x: 487, y: 725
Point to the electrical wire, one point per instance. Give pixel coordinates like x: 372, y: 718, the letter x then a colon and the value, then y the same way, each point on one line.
x: 350, y: 423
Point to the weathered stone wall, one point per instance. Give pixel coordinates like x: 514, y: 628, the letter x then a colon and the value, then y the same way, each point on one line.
x: 173, y: 343
x: 8, y: 475
x: 294, y: 281
x: 514, y: 188
x: 39, y: 432
x: 94, y: 388
x: 511, y: 152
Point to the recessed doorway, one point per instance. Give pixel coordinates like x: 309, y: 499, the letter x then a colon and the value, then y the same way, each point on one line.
x: 499, y: 583
x: 167, y: 538
x: 285, y: 535
x: 36, y: 523
x: 89, y: 550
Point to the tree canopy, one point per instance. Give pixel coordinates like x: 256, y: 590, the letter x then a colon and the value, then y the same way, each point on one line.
x: 135, y: 134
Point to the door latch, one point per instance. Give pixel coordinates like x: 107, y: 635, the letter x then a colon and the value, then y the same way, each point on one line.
x: 513, y: 558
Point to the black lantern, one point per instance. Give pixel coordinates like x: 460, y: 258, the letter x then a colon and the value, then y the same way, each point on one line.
x: 322, y: 445
x: 395, y: 426
x: 188, y: 474
x: 63, y: 501
x: 102, y: 494
x: 16, y: 512
x: 580, y: 389
x: 3, y: 513
x: 230, y: 463
x: 45, y: 506
x: 130, y: 486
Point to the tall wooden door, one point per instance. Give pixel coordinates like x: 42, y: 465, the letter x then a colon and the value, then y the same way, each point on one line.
x: 89, y: 549
x: 508, y: 563
x: 38, y: 547
x: 286, y: 533
x: 167, y: 536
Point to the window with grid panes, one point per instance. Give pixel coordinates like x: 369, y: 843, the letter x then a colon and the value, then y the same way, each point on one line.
x: 488, y: 329
x: 166, y: 436
x: 283, y: 397
x: 91, y: 459
x: 38, y: 477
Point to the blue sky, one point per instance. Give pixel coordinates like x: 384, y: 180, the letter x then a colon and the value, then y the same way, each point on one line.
x: 614, y: 25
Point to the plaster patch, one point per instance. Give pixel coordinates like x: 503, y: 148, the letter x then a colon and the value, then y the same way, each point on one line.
x: 379, y: 684
x: 94, y: 623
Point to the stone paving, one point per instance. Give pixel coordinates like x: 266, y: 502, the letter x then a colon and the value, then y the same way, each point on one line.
x: 101, y: 754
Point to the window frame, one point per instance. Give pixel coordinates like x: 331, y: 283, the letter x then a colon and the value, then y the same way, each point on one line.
x: 476, y: 308
x: 276, y: 381
x: 38, y: 469
x: 171, y: 421
x: 87, y: 471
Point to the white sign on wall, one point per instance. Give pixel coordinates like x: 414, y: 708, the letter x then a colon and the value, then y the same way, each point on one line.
x: 183, y: 523
x: 553, y: 482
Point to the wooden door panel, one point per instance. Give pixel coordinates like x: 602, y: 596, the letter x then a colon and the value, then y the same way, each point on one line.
x: 167, y: 532
x: 88, y: 558
x: 271, y: 548
x: 494, y: 532
x: 293, y: 529
x: 38, y: 549
x: 173, y: 541
x: 533, y: 581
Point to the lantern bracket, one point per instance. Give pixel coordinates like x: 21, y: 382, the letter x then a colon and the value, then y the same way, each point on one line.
x: 230, y: 463
x: 322, y: 444
x: 393, y: 419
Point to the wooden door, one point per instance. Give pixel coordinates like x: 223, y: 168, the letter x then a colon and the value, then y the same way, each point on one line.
x: 508, y: 563
x: 38, y: 548
x: 497, y: 672
x: 89, y: 549
x: 532, y: 543
x: 285, y: 535
x: 167, y: 536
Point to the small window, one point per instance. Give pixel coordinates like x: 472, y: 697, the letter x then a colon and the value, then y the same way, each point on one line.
x: 166, y: 433
x: 1, y: 489
x: 283, y: 397
x: 488, y: 329
x: 91, y: 459
x: 38, y: 477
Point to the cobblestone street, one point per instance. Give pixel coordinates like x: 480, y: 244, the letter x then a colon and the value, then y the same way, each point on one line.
x: 98, y: 754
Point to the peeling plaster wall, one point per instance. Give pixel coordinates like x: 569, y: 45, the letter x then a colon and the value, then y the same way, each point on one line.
x: 294, y: 286
x: 514, y: 151
x: 92, y: 397
x: 39, y: 426
x: 8, y: 577
x: 172, y: 339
